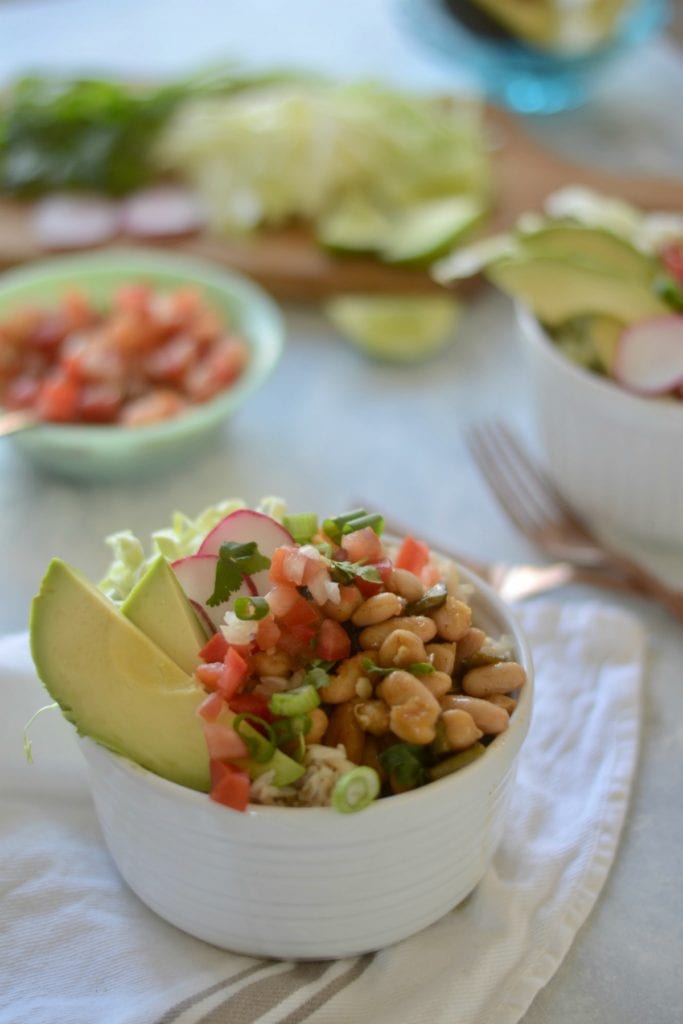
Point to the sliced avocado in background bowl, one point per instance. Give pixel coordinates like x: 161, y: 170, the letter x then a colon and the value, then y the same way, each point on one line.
x: 556, y: 289
x: 593, y: 246
x: 113, y: 683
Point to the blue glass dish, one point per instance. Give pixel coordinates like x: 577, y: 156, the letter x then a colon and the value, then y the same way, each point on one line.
x: 521, y: 77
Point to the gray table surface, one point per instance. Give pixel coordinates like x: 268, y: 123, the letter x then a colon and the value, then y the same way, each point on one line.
x: 330, y: 427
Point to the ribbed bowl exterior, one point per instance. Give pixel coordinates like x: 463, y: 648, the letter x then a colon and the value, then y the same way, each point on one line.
x: 615, y: 456
x: 310, y: 883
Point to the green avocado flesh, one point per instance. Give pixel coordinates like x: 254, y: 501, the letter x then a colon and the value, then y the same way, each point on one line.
x: 158, y: 606
x: 113, y: 683
x: 556, y: 289
x: 592, y: 246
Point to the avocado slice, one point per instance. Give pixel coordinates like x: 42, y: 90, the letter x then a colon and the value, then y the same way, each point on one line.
x: 593, y: 246
x: 431, y: 228
x: 113, y: 683
x: 158, y: 606
x: 557, y: 289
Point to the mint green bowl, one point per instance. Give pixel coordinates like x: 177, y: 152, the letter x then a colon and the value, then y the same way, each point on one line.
x: 115, y: 452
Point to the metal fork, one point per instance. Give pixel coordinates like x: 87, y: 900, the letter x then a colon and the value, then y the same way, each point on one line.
x: 515, y: 582
x: 539, y: 512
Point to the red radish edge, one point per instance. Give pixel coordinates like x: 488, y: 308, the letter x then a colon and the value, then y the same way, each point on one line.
x: 244, y: 526
x: 196, y: 575
x: 649, y: 356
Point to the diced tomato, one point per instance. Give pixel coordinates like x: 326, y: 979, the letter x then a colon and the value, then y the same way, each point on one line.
x: 134, y: 298
x: 169, y: 363
x: 211, y: 707
x: 301, y: 619
x: 267, y: 633
x: 367, y: 587
x: 49, y: 333
x: 229, y: 785
x: 333, y: 642
x: 21, y: 392
x: 57, y: 398
x: 157, y: 404
x: 672, y: 257
x: 222, y: 741
x: 413, y: 555
x: 77, y: 310
x: 363, y: 545
x: 251, y: 704
x: 430, y: 574
x: 99, y: 403
x: 215, y: 648
x: 235, y: 671
x: 208, y: 674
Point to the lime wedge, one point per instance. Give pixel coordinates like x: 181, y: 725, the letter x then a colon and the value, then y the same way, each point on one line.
x: 431, y: 228
x: 355, y: 225
x: 405, y: 329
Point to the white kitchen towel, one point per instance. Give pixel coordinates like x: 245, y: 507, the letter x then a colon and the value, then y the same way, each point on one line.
x: 77, y: 947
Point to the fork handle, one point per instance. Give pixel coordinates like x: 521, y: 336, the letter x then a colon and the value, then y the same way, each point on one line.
x: 646, y: 583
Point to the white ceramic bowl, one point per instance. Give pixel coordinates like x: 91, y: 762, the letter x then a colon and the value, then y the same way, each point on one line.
x: 311, y: 883
x: 615, y: 456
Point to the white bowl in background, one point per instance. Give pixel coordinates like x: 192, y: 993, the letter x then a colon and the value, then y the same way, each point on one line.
x: 616, y: 457
x: 311, y: 883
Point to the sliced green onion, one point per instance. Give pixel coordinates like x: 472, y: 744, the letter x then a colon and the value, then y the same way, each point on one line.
x: 251, y: 609
x: 356, y: 789
x: 404, y: 763
x: 294, y: 702
x: 333, y: 527
x: 302, y: 526
x: 317, y: 677
x: 421, y: 668
x: 430, y: 600
x: 286, y: 729
x: 456, y: 761
x: 260, y: 747
x: 373, y: 519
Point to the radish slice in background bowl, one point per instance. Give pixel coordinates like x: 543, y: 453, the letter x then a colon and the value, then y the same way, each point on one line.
x: 649, y: 356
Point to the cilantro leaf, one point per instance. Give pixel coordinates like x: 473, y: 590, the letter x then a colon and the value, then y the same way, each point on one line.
x: 235, y: 561
x: 344, y: 572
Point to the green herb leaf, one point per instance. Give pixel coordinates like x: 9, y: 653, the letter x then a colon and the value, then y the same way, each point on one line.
x: 235, y: 561
x: 345, y: 572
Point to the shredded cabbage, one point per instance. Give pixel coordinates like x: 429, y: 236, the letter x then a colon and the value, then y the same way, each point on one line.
x: 181, y: 538
x: 265, y: 155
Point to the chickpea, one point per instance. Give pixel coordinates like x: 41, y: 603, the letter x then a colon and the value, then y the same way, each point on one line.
x: 442, y: 657
x: 405, y: 583
x: 460, y: 729
x: 470, y: 643
x: 350, y: 598
x: 452, y: 619
x: 414, y: 721
x: 500, y: 677
x: 373, y: 716
x: 342, y: 685
x: 345, y: 728
x: 487, y: 716
x: 271, y: 663
x: 502, y: 700
x: 438, y: 683
x: 378, y: 608
x: 319, y: 724
x: 401, y: 648
x: 413, y: 709
x: 372, y: 637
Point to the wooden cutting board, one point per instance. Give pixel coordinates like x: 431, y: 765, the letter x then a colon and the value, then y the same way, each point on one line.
x: 291, y: 266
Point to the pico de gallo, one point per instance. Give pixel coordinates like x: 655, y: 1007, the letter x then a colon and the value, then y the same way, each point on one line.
x: 148, y: 355
x: 340, y: 666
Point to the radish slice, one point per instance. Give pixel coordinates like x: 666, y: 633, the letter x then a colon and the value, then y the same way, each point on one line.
x: 244, y: 526
x: 649, y: 356
x: 64, y: 221
x: 197, y: 576
x: 162, y: 211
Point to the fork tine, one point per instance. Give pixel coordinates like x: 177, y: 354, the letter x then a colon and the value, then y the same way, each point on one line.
x: 494, y: 467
